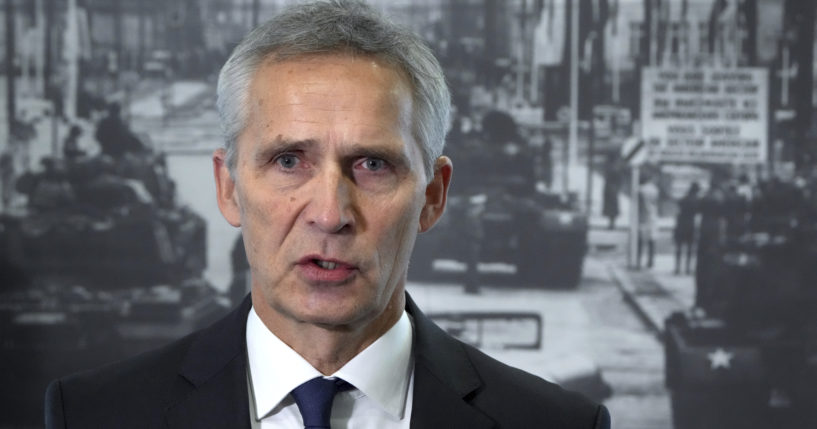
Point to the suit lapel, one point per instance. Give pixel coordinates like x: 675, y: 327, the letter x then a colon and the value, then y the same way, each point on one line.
x: 443, y: 379
x: 212, y: 387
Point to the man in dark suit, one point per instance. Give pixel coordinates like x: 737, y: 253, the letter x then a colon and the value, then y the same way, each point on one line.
x: 334, y: 121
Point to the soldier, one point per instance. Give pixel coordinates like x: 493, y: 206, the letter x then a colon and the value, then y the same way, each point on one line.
x: 6, y: 177
x: 70, y: 147
x: 647, y: 220
x: 709, y: 245
x: 612, y: 184
x: 114, y: 137
x: 684, y: 232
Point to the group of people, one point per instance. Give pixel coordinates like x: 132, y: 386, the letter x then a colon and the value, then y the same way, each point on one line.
x: 707, y: 219
x: 647, y: 194
x: 123, y: 172
x: 730, y: 212
x: 113, y: 135
x: 719, y: 217
x: 702, y: 220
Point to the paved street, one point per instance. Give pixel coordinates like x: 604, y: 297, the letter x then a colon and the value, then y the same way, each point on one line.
x: 630, y: 353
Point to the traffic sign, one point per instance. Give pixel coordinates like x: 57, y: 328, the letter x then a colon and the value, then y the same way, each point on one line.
x: 634, y: 151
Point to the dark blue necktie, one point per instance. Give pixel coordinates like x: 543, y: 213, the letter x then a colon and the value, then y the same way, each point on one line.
x: 314, y: 399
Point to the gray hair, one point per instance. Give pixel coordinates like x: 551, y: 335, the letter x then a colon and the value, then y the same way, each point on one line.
x: 344, y: 26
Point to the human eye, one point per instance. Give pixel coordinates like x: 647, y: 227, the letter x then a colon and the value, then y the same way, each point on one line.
x: 373, y: 164
x: 375, y: 172
x: 286, y: 161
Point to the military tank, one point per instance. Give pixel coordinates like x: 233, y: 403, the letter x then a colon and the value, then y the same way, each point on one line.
x: 746, y: 355
x: 100, y: 263
x: 498, y: 215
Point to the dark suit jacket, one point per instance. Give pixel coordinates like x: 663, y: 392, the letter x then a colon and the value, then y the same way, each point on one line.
x: 200, y: 381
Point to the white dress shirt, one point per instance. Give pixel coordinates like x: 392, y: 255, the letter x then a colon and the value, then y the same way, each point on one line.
x: 382, y: 374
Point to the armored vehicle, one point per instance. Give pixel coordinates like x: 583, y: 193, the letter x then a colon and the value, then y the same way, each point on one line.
x: 99, y: 264
x: 498, y: 212
x: 746, y: 355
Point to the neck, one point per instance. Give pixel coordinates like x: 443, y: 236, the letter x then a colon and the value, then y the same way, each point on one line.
x: 329, y: 347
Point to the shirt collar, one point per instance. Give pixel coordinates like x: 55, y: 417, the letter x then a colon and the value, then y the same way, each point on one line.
x: 276, y: 369
x: 383, y: 370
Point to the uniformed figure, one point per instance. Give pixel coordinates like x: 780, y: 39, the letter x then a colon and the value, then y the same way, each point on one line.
x: 709, y: 245
x: 647, y: 220
x: 684, y: 232
x: 114, y: 137
x: 612, y: 185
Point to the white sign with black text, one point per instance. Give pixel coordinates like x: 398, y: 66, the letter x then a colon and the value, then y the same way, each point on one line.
x: 710, y: 115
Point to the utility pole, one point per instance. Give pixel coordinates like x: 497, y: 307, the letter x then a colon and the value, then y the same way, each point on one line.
x: 597, y: 70
x: 614, y: 55
x: 786, y: 74
x: 246, y: 13
x: 802, y: 16
x: 520, y: 54
x: 650, y: 36
x: 11, y: 102
x: 573, y: 136
x: 256, y: 9
x: 47, y: 51
x: 750, y: 24
x: 39, y: 52
x: 490, y: 14
x: 118, y: 30
x: 71, y: 52
x: 140, y: 32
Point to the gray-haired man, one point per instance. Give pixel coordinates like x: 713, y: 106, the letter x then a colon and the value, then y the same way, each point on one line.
x: 334, y: 121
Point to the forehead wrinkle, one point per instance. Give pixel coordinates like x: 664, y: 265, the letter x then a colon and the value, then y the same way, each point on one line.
x: 396, y: 96
x: 397, y: 89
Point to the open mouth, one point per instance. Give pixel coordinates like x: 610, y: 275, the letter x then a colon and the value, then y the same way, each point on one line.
x: 326, y: 265
x: 321, y: 270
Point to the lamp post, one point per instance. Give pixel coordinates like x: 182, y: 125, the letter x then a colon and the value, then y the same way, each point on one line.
x: 11, y: 99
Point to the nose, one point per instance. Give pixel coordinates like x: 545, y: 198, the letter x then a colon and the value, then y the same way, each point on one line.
x: 330, y: 207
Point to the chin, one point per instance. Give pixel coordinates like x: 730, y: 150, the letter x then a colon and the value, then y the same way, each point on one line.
x: 337, y: 317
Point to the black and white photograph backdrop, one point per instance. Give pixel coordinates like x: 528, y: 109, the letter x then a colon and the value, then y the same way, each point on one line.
x: 632, y: 215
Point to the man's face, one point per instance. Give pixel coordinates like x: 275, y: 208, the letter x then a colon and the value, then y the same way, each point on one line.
x: 329, y: 189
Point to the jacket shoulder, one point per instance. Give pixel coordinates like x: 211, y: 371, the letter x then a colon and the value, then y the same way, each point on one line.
x: 132, y: 390
x: 508, y: 396
x: 137, y: 392
x: 515, y: 398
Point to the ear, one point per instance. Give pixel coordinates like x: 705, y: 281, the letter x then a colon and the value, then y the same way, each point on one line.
x: 225, y: 189
x: 436, y: 193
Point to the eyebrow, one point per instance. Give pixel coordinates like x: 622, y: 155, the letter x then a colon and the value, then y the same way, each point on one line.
x: 280, y: 145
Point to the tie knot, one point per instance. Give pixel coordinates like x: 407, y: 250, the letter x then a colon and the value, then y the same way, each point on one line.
x: 314, y: 399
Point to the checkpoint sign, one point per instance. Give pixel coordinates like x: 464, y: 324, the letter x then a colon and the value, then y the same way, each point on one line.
x: 705, y: 115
